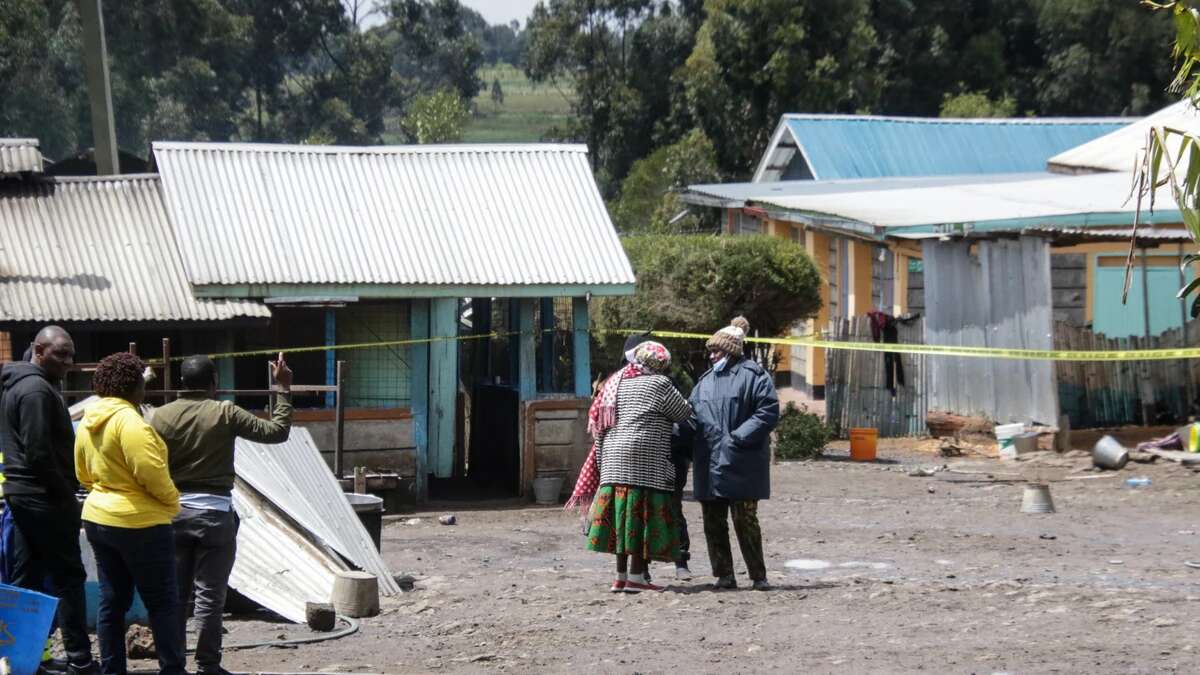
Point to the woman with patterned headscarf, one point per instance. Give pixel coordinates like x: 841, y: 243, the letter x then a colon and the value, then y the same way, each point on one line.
x: 633, y: 515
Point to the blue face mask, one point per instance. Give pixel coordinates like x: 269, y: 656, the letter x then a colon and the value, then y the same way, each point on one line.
x: 720, y: 365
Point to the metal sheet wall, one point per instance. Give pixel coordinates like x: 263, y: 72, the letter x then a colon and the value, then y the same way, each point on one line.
x: 996, y: 296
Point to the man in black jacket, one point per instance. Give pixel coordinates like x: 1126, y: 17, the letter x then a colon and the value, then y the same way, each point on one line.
x: 40, y: 486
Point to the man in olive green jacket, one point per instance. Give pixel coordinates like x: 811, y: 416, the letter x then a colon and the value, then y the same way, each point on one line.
x: 200, y: 432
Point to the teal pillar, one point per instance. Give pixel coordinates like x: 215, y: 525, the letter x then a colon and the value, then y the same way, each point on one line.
x: 581, y: 345
x: 330, y: 355
x: 419, y: 392
x: 526, y: 349
x: 443, y: 384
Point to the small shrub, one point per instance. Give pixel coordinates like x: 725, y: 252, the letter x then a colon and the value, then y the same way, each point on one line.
x: 801, y: 434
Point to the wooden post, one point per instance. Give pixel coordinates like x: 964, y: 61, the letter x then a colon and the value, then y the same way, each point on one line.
x: 166, y: 357
x: 526, y: 350
x: 443, y: 384
x: 1189, y: 387
x: 419, y: 393
x: 272, y: 399
x: 339, y: 421
x: 133, y: 348
x: 582, y: 347
x: 546, y: 335
x: 95, y: 61
x: 330, y: 355
x: 1147, y: 386
x: 360, y: 480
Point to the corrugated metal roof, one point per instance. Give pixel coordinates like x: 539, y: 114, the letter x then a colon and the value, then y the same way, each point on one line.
x: 20, y: 155
x: 496, y: 215
x: 294, y: 477
x: 96, y: 249
x: 276, y: 564
x: 866, y: 146
x: 1120, y: 150
x: 735, y: 195
x: 1167, y: 234
x: 1095, y: 200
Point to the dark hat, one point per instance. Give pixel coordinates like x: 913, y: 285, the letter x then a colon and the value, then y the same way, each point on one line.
x: 636, y: 339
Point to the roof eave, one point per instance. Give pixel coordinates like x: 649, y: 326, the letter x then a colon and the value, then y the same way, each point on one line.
x: 280, y: 291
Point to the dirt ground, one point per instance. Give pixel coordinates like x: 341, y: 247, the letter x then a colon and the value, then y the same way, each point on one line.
x: 888, y: 573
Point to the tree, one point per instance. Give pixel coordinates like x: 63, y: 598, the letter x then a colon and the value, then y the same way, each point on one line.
x: 757, y: 59
x: 619, y: 56
x: 440, y: 117
x: 282, y: 34
x: 976, y: 104
x: 497, y: 93
x: 1101, y: 58
x: 1172, y: 157
x: 698, y: 283
x: 39, y: 69
x: 432, y: 46
x: 648, y: 202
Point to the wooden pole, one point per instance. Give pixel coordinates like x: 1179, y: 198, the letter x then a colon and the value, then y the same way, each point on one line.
x: 1189, y: 387
x: 133, y: 348
x: 1147, y: 387
x: 272, y: 398
x: 95, y: 53
x: 166, y: 356
x: 339, y: 420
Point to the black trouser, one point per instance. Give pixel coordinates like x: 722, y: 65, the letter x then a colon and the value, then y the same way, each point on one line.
x: 685, y: 542
x: 47, y: 558
x: 745, y: 526
x: 141, y: 559
x: 205, y: 547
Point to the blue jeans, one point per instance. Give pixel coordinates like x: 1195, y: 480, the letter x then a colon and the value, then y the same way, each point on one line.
x: 141, y: 559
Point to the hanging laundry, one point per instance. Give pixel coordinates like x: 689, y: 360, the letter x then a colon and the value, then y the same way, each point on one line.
x: 885, y: 328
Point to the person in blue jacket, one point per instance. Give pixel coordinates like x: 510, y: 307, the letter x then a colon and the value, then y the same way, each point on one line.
x: 736, y: 409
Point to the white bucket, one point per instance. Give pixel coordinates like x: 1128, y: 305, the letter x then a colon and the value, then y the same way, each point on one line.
x: 1005, y: 433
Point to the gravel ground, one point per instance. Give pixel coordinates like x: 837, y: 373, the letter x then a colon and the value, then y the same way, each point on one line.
x: 888, y: 573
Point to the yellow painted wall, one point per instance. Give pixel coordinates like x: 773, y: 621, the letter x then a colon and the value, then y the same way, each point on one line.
x: 861, y: 260
x: 817, y: 245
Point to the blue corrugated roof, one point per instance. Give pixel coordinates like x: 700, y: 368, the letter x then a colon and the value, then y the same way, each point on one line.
x: 847, y: 146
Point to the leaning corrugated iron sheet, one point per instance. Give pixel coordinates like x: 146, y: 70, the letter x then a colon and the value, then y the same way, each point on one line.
x: 294, y: 477
x: 437, y: 215
x: 1121, y: 150
x: 277, y: 566
x: 1099, y: 200
x: 20, y: 155
x: 96, y: 249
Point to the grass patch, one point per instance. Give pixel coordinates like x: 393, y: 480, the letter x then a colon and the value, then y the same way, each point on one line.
x: 528, y: 112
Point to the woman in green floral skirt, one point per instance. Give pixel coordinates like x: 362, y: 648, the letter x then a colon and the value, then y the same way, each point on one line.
x: 632, y: 515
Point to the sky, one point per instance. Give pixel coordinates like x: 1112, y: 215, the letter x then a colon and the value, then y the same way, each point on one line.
x: 502, y: 11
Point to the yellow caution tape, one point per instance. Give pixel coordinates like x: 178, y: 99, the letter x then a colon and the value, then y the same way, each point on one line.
x: 970, y: 352
x: 797, y: 341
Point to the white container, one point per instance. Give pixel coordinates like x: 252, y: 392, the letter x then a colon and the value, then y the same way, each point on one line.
x: 1004, y: 437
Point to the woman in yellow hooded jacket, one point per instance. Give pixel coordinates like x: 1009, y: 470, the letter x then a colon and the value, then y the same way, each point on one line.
x: 127, y: 516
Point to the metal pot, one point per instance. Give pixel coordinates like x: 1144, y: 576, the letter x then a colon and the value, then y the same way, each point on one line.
x: 1109, y: 454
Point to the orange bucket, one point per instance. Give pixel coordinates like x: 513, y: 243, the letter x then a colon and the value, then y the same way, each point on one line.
x: 862, y: 444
